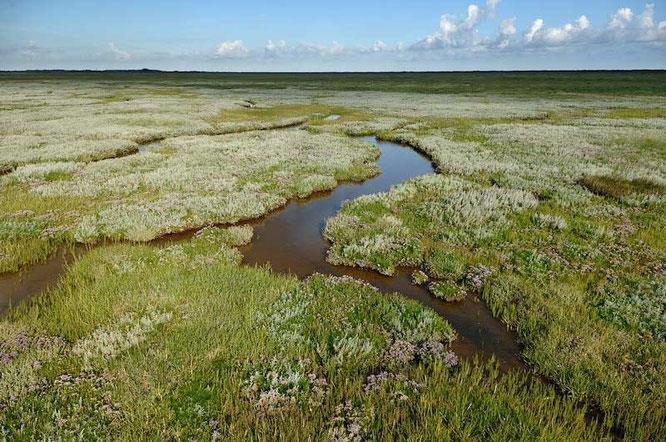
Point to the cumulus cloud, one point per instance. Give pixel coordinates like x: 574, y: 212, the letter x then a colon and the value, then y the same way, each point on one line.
x: 378, y: 46
x: 479, y: 27
x: 508, y: 27
x: 557, y: 36
x: 626, y: 26
x: 507, y: 30
x: 621, y: 19
x: 118, y: 53
x: 334, y: 48
x: 281, y: 47
x: 460, y: 32
x: 231, y: 49
x: 537, y: 25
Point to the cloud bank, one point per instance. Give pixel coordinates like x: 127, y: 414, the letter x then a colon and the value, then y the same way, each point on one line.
x: 461, y: 35
x: 479, y: 31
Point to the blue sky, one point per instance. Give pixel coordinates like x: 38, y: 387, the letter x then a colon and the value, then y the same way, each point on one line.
x: 345, y: 35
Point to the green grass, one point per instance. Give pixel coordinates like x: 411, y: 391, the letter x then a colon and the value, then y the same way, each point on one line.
x: 210, y: 339
x: 610, y: 367
x: 578, y: 277
x: 616, y: 187
x: 30, y: 228
x: 538, y: 84
x: 630, y: 112
x: 315, y: 113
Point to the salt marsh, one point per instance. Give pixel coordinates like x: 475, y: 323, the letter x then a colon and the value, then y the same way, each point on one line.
x: 228, y: 283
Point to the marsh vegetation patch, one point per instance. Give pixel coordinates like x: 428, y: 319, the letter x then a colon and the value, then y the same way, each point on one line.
x: 548, y: 205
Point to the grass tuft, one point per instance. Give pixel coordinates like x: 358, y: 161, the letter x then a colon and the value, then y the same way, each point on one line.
x: 617, y: 187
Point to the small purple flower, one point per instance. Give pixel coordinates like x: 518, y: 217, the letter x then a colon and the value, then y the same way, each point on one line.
x: 451, y: 359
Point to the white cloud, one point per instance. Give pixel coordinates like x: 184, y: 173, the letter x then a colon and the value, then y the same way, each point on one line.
x: 378, y: 46
x: 334, y: 48
x: 646, y: 19
x: 621, y: 18
x: 276, y: 47
x: 462, y: 34
x: 232, y: 49
x: 627, y: 27
x: 457, y: 32
x: 453, y: 35
x: 507, y: 30
x: 552, y: 37
x: 537, y: 25
x: 491, y: 5
x: 459, y: 35
x: 508, y: 26
x: 583, y: 23
x: 118, y: 53
x: 473, y: 16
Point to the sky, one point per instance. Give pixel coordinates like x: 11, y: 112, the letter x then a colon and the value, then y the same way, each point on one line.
x: 345, y: 35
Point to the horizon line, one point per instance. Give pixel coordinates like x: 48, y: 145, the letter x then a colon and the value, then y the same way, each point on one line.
x: 148, y: 70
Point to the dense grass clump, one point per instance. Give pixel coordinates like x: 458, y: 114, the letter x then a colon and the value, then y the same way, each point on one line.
x: 617, y: 187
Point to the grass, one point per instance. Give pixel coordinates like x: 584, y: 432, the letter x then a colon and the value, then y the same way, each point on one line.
x: 188, y: 183
x: 578, y: 277
x: 616, y: 187
x: 622, y: 113
x: 33, y: 226
x: 316, y: 113
x: 184, y: 343
x: 533, y: 84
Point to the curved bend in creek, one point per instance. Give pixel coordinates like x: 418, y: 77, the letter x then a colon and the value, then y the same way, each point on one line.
x: 291, y: 240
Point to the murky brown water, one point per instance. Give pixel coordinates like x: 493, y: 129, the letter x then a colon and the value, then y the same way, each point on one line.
x: 291, y: 241
x: 17, y: 287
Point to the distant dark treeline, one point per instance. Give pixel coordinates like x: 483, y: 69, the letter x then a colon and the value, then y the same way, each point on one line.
x: 543, y: 83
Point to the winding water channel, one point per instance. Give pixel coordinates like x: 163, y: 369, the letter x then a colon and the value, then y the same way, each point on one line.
x: 291, y: 241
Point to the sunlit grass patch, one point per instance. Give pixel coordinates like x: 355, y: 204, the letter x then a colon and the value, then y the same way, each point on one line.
x: 32, y: 226
x: 314, y: 113
x: 419, y: 222
x: 186, y: 183
x: 448, y: 291
x: 637, y: 112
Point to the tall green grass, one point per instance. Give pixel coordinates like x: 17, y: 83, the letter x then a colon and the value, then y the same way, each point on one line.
x: 188, y: 375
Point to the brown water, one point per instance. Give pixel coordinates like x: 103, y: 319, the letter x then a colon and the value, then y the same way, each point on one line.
x: 290, y: 240
x: 17, y: 287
